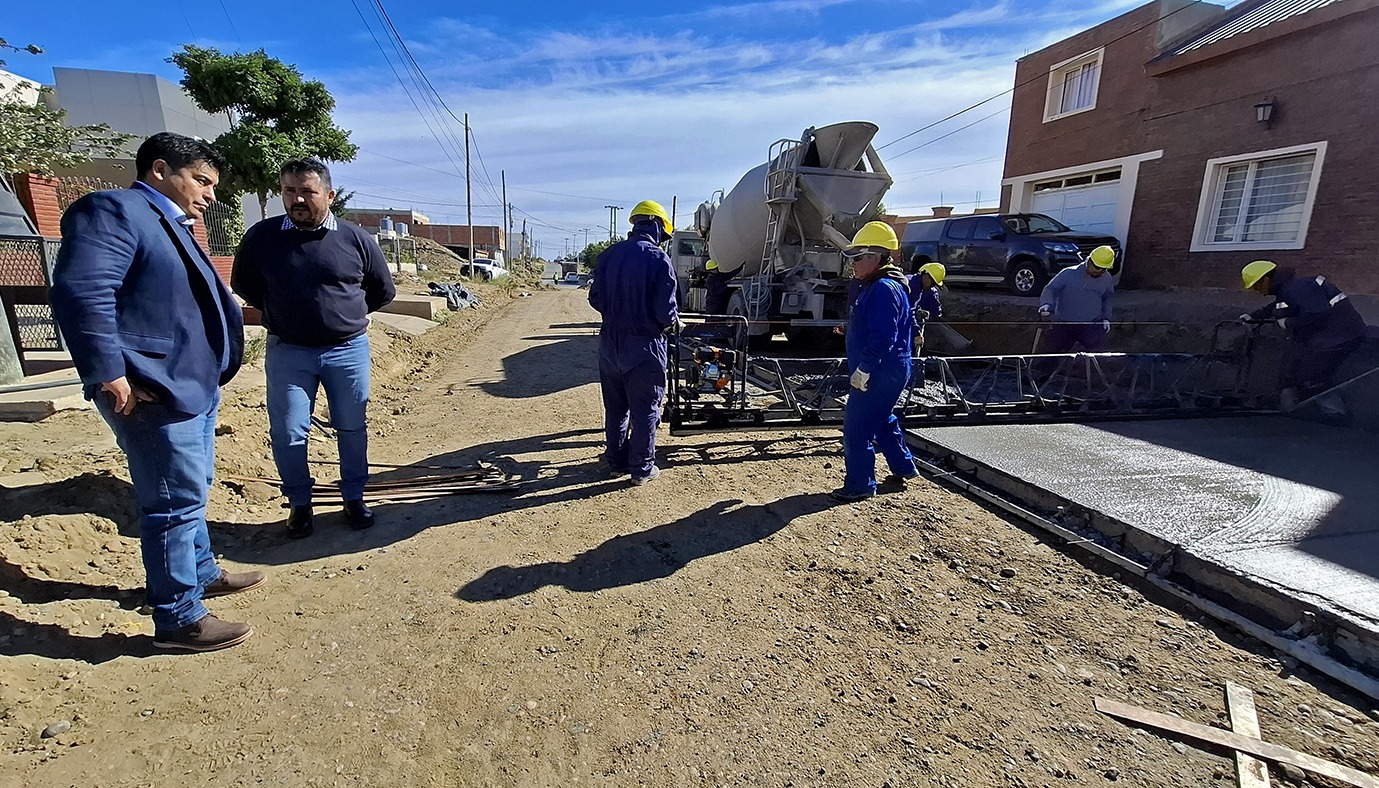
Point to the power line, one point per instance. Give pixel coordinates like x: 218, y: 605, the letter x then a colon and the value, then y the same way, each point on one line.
x: 951, y: 133
x: 406, y: 90
x: 1019, y: 85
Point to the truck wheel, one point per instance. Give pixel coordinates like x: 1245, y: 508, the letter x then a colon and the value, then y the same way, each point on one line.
x: 1026, y: 277
x: 738, y: 308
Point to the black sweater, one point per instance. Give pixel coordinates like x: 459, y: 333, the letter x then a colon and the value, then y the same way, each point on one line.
x: 314, y: 287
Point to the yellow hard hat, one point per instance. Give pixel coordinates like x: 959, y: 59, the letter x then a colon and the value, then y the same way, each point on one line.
x: 936, y: 272
x: 1103, y: 257
x: 711, y: 265
x: 651, y: 208
x: 876, y: 234
x: 1252, y: 273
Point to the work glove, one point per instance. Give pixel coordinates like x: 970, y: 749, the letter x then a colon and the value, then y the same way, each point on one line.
x: 1106, y: 326
x: 859, y: 380
x: 1045, y: 310
x: 1246, y: 318
x: 923, y: 314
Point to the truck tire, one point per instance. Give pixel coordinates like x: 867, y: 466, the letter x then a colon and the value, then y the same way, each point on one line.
x: 738, y: 308
x: 1026, y: 277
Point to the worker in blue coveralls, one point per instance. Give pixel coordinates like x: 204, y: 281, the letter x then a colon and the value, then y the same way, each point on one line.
x: 925, y: 306
x: 878, y: 348
x: 634, y: 290
x: 1320, y: 320
x: 1079, y: 300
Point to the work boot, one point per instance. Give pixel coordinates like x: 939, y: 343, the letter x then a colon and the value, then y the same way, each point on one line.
x: 898, y: 481
x: 848, y: 496
x: 358, y: 515
x: 299, y: 522
x: 208, y: 634
x: 651, y: 474
x: 233, y: 583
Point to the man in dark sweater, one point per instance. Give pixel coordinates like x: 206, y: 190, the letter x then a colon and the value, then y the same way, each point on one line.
x: 315, y: 278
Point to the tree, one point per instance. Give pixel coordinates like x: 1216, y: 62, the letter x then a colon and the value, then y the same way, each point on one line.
x: 339, y: 206
x: 276, y: 114
x: 37, y: 139
x: 590, y: 255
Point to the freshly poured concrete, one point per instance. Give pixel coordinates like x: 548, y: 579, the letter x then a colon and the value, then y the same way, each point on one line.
x: 1290, y: 504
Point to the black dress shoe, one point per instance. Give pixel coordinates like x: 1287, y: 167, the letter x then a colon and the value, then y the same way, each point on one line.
x: 358, y: 515
x: 299, y: 522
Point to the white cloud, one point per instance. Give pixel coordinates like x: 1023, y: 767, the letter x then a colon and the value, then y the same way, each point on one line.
x: 627, y: 115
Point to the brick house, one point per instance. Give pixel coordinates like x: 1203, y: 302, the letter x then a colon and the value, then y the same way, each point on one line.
x: 1206, y: 137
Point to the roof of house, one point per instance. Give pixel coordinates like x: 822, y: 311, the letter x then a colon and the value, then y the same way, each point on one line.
x: 1249, y: 16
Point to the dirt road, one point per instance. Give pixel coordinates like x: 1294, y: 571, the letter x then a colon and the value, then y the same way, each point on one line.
x: 724, y: 625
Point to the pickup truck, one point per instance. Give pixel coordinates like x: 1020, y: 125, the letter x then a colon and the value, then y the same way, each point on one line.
x: 1021, y: 250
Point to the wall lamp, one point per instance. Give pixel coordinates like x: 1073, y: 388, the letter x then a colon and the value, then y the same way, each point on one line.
x: 1264, y: 112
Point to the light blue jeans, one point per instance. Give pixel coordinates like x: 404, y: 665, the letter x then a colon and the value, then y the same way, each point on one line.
x: 171, y: 459
x: 294, y: 373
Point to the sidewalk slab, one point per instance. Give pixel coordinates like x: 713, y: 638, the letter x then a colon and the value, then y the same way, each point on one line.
x: 414, y: 326
x: 1270, y: 516
x: 52, y: 386
x: 430, y: 308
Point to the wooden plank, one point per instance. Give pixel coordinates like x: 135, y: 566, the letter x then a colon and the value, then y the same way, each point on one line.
x: 1236, y: 741
x: 1250, y: 772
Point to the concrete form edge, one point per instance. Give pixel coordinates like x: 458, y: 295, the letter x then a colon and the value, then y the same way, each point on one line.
x: 1306, y: 651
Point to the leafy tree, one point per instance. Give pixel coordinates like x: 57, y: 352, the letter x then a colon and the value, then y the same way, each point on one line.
x: 277, y: 115
x: 34, y: 138
x: 338, y: 205
x: 590, y: 255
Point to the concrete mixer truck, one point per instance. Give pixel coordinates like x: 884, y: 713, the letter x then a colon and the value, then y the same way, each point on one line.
x: 782, y: 229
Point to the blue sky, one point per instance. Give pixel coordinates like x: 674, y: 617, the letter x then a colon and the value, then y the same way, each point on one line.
x: 589, y: 104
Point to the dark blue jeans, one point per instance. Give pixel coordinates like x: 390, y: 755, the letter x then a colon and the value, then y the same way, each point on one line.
x: 171, y: 462
x: 294, y: 375
x: 869, y: 423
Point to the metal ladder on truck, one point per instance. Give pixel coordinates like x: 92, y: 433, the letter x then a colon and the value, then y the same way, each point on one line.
x: 784, y: 156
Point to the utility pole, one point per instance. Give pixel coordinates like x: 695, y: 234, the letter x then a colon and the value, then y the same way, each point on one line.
x: 586, y: 235
x: 674, y: 209
x: 612, y: 218
x: 468, y: 199
x: 526, y: 255
x: 507, y: 225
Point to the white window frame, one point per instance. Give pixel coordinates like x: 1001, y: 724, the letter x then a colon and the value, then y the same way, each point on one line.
x: 1206, y: 204
x: 1058, y: 74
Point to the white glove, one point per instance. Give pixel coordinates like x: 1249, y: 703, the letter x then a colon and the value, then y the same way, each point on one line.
x: 859, y: 380
x: 1246, y: 318
x: 1045, y: 310
x: 1106, y: 326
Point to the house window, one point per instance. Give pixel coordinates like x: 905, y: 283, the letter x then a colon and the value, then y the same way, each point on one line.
x: 1073, y: 86
x: 1259, y: 200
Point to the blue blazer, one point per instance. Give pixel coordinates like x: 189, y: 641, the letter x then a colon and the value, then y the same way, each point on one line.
x: 135, y: 295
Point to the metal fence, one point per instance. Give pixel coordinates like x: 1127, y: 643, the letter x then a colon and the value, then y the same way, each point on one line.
x: 71, y: 188
x: 224, y: 228
x: 26, y: 271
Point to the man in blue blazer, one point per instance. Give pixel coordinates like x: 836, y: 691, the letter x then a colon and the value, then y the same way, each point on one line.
x: 154, y: 334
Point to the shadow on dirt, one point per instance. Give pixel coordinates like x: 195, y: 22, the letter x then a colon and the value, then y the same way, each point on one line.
x: 652, y: 554
x: 545, y: 482
x: 55, y: 642
x: 99, y: 494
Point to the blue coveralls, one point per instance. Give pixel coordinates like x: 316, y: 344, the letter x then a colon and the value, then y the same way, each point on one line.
x: 878, y: 342
x: 634, y: 291
x: 927, y: 299
x: 1321, y: 319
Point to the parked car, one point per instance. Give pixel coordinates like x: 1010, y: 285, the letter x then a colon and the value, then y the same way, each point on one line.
x: 572, y: 278
x: 1021, y: 250
x: 484, y: 269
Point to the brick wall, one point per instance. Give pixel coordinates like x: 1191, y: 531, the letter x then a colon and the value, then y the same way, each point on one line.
x: 39, y: 197
x: 1207, y: 111
x: 1324, y: 79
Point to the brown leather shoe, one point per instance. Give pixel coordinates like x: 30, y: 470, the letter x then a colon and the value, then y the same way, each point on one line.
x: 208, y: 634
x: 233, y: 583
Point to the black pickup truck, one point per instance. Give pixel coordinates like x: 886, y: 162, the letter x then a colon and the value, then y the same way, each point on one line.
x: 1021, y: 250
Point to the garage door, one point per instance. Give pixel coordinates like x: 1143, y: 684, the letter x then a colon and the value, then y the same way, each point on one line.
x: 1088, y: 208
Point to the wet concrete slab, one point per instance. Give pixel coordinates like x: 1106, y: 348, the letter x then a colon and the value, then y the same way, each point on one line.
x: 1292, y: 505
